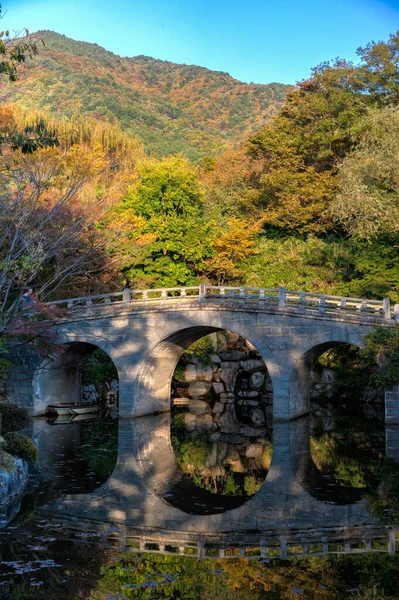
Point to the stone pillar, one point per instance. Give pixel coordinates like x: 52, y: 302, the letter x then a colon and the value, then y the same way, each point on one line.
x: 392, y: 406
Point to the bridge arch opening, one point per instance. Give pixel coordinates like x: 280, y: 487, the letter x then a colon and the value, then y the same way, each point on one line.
x: 342, y: 436
x: 78, y: 446
x: 80, y: 373
x: 217, y: 388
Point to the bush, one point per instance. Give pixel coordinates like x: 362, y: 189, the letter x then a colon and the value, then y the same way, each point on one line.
x: 98, y: 368
x: 13, y: 418
x: 20, y: 445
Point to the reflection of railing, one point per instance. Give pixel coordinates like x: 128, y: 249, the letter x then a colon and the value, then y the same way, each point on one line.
x: 284, y: 547
x: 277, y: 298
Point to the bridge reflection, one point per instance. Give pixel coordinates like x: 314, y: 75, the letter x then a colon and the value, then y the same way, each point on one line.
x: 285, y: 518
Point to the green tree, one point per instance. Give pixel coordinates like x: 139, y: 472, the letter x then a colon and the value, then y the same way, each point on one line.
x: 163, y: 231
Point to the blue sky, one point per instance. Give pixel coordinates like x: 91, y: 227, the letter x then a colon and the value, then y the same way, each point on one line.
x: 253, y: 40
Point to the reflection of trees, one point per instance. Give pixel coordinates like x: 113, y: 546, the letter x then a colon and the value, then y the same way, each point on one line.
x: 218, y: 467
x: 352, y: 461
x: 100, y: 447
x: 157, y: 577
x: 384, y: 502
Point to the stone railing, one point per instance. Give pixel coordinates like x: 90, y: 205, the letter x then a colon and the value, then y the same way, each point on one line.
x: 262, y: 297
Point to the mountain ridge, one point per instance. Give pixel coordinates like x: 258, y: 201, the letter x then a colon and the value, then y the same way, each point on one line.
x: 172, y: 107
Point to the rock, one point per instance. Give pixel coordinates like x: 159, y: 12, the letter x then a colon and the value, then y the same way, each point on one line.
x: 257, y: 416
x: 215, y: 437
x: 199, y: 407
x: 199, y: 388
x: 218, y: 408
x: 248, y: 394
x: 204, y: 422
x: 12, y: 482
x: 229, y: 376
x: 231, y: 338
x: 218, y: 387
x: 247, y: 402
x: 256, y: 380
x: 227, y: 397
x: 190, y: 421
x: 254, y: 450
x: 230, y: 365
x: 248, y: 431
x: 114, y: 384
x: 252, y: 365
x: 231, y: 355
x: 190, y: 372
x: 269, y: 387
x: 204, y: 372
x: 215, y: 359
x: 228, y: 421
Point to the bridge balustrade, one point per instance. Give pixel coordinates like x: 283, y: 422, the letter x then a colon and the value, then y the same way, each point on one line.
x: 279, y: 298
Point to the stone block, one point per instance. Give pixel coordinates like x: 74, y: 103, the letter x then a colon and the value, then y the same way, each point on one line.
x: 218, y: 387
x: 199, y: 407
x: 198, y: 388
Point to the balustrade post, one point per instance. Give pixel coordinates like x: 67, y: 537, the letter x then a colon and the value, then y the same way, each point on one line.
x: 363, y: 307
x: 396, y: 312
x: 386, y: 308
x: 127, y: 295
x: 322, y: 304
x: 89, y: 307
x: 281, y: 296
x: 391, y: 542
x: 202, y: 291
x: 69, y: 304
x: 164, y: 294
x: 302, y: 301
x: 183, y: 292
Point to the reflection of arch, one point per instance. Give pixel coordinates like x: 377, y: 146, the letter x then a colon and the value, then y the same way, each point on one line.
x: 307, y: 473
x: 154, y: 380
x: 300, y: 378
x: 59, y: 380
x: 164, y: 476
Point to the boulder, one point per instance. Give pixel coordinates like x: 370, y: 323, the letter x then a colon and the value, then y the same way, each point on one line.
x: 204, y: 422
x: 215, y: 359
x: 256, y: 380
x: 190, y: 372
x: 247, y: 431
x: 218, y: 387
x: 254, y: 450
x: 230, y: 364
x: 227, y: 397
x: 218, y: 408
x: 252, y: 365
x: 235, y: 355
x: 228, y: 421
x: 257, y: 416
x: 229, y: 376
x: 248, y: 394
x: 190, y: 421
x: 231, y: 338
x: 199, y: 407
x: 204, y: 372
x: 198, y: 388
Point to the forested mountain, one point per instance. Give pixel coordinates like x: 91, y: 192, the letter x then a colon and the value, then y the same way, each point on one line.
x: 173, y: 108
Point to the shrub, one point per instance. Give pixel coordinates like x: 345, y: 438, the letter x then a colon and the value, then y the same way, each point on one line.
x: 20, y: 445
x: 13, y: 418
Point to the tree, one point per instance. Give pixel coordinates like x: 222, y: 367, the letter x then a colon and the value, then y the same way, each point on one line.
x: 14, y: 50
x: 367, y: 200
x: 163, y: 232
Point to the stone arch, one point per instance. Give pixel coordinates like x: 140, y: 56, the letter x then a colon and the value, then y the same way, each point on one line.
x: 58, y: 379
x: 153, y: 385
x: 305, y: 356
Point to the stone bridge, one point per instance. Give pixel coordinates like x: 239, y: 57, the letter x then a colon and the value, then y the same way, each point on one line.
x: 146, y: 331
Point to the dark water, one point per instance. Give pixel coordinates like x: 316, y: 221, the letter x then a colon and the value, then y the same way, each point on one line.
x: 48, y: 557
